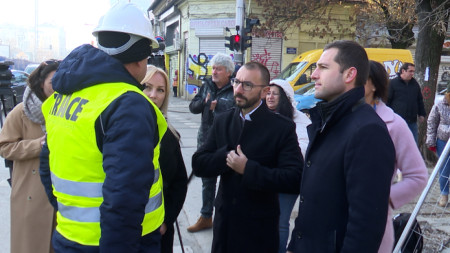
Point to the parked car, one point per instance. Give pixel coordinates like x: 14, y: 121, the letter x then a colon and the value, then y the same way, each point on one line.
x: 305, y: 97
x: 31, y: 67
x: 16, y: 89
x: 298, y: 72
x: 19, y: 76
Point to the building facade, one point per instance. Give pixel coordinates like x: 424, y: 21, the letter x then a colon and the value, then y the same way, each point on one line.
x: 195, y: 30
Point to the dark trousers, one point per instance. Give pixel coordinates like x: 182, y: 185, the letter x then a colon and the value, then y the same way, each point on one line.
x: 167, y: 240
x: 175, y: 89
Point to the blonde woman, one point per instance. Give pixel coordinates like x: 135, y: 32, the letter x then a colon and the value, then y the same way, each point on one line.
x: 173, y: 170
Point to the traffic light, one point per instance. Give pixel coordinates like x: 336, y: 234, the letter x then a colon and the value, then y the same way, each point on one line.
x: 236, y: 42
x: 229, y: 45
x: 247, y: 33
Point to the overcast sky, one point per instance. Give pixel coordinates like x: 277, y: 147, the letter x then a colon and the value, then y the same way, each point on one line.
x: 79, y: 17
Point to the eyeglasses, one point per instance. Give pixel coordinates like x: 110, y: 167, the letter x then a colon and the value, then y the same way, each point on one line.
x: 247, y: 86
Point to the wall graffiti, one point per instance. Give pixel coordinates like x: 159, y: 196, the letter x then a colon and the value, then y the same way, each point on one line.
x: 198, y: 68
x: 267, y: 60
x: 444, y: 79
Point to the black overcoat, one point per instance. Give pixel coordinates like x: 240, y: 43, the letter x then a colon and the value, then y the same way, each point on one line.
x: 247, y: 208
x: 346, y: 180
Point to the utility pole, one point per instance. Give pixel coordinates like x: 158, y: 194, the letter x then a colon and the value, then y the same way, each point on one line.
x: 240, y: 15
x: 36, y: 20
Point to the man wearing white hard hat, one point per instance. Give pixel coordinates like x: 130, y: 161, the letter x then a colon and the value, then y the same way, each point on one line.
x: 103, y: 138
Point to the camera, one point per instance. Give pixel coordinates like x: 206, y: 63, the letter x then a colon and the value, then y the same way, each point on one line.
x: 5, y: 73
x: 8, y: 95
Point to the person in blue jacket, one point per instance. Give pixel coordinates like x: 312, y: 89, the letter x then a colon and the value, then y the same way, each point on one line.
x: 103, y: 138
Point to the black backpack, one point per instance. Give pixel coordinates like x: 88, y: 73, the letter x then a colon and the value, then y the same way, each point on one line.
x: 414, y: 240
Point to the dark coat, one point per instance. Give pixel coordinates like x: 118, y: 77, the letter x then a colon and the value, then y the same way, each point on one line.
x: 346, y: 181
x: 247, y: 208
x: 225, y: 100
x: 406, y: 99
x: 175, y: 179
x: 125, y: 130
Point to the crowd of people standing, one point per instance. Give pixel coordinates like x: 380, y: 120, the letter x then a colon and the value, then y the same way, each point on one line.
x: 98, y: 168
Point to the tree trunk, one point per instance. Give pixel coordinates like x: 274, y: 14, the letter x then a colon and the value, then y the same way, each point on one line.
x: 427, y: 60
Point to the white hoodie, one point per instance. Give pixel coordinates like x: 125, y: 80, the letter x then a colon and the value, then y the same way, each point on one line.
x: 300, y: 119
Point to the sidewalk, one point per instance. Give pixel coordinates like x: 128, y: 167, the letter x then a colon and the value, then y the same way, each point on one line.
x: 187, y: 125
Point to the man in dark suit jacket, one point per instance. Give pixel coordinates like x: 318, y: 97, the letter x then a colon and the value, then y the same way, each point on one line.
x: 256, y: 153
x: 349, y: 163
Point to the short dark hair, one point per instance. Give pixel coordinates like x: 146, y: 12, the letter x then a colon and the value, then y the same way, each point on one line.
x: 380, y: 80
x: 405, y: 67
x: 265, y: 75
x: 38, y: 76
x: 351, y: 54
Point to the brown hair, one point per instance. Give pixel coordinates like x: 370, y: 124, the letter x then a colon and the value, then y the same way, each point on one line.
x: 405, y: 67
x: 38, y: 76
x: 380, y: 80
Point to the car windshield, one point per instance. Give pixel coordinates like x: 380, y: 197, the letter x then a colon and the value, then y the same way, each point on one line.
x: 310, y: 91
x: 19, y: 77
x: 292, y: 70
x: 304, y: 89
x: 31, y: 67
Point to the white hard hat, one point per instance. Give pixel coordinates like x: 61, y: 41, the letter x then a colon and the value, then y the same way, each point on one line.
x: 126, y: 18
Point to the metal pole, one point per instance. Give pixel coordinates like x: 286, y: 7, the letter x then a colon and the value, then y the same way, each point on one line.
x: 179, y: 236
x: 36, y: 11
x: 239, y: 56
x: 441, y: 162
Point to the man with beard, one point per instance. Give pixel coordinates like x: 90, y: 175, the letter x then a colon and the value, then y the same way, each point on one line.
x: 256, y: 153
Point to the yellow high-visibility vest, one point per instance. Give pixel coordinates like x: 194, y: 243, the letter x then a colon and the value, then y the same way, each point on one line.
x: 76, y: 163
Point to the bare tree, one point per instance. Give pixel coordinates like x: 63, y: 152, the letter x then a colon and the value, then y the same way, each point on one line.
x: 316, y: 17
x: 396, y: 17
x: 376, y: 20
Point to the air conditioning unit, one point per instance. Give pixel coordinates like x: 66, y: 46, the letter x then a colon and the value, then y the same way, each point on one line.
x: 177, y: 43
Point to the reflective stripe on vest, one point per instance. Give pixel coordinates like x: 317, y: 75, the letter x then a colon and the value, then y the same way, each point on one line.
x: 76, y: 163
x: 83, y: 189
x: 92, y: 214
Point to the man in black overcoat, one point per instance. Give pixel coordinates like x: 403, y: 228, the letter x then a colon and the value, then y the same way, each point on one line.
x: 349, y: 162
x: 256, y: 153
